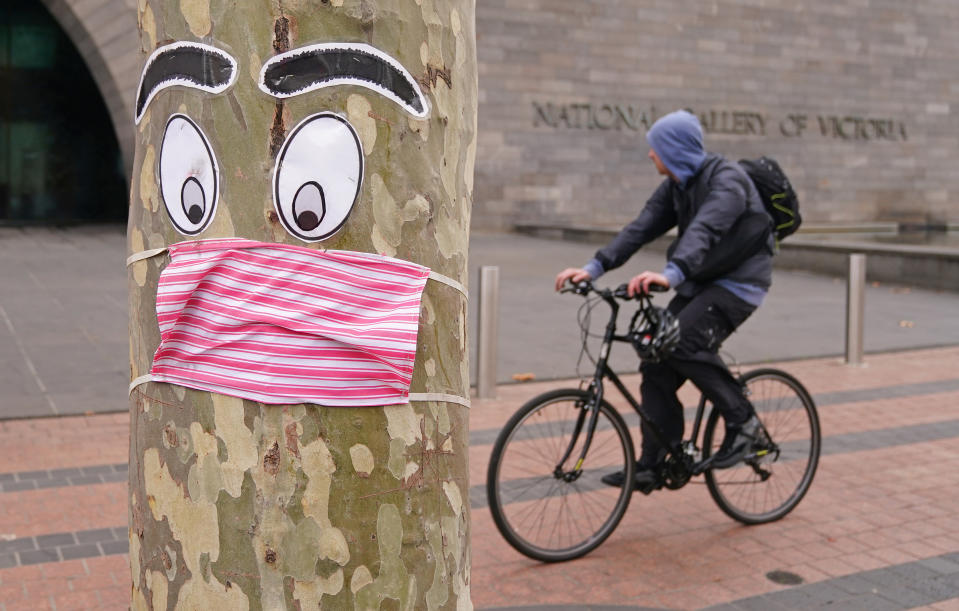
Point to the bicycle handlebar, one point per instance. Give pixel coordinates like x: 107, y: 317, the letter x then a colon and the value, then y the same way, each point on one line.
x: 620, y: 292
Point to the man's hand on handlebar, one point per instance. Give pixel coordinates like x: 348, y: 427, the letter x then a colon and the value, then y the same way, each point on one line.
x: 571, y: 274
x: 641, y: 284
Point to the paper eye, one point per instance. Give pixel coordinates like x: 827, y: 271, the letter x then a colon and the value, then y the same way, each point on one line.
x: 318, y: 175
x: 188, y: 176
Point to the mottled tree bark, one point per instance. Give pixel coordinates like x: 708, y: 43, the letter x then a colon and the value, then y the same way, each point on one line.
x: 236, y: 504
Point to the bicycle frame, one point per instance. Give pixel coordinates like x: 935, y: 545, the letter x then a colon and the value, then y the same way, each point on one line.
x: 596, y: 386
x: 518, y: 484
x: 685, y: 448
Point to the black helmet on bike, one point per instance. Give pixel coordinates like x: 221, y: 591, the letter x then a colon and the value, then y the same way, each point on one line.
x: 656, y: 334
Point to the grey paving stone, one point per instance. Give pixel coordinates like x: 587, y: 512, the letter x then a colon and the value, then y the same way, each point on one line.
x: 754, y: 603
x: 866, y: 602
x: 121, y: 533
x: 941, y: 565
x: 905, y: 595
x: 25, y: 475
x: 16, y: 545
x: 583, y: 607
x: 86, y: 480
x: 913, y: 571
x: 65, y: 473
x: 54, y: 540
x: 877, y: 576
x: 810, y: 596
x: 97, y: 470
x: 95, y: 536
x: 941, y: 587
x: 86, y: 550
x: 854, y: 584
x: 7, y: 477
x: 934, y: 589
x: 905, y: 586
x: 8, y: 561
x: 796, y: 598
x: 39, y: 556
x: 53, y: 483
x: 19, y: 486
x: 115, y: 547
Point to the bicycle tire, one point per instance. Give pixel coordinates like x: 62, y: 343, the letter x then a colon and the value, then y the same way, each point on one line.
x: 539, y: 514
x: 789, y: 416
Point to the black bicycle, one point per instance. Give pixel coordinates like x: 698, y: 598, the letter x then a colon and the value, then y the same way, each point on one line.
x: 543, y: 481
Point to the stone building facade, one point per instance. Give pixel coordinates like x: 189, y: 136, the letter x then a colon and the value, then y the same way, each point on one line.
x: 858, y: 99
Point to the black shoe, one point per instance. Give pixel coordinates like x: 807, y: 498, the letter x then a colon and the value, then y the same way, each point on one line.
x: 738, y: 442
x: 645, y: 480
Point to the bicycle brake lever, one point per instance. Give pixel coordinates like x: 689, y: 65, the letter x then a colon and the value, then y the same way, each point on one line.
x: 582, y: 288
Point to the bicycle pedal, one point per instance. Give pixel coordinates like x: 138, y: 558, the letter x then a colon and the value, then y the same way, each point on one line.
x: 648, y: 489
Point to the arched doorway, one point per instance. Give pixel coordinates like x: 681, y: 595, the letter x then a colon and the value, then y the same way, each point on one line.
x: 59, y: 159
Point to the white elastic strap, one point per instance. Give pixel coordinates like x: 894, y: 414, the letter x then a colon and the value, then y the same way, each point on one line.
x: 137, y: 381
x: 144, y: 254
x: 414, y: 396
x: 449, y: 282
x: 438, y: 397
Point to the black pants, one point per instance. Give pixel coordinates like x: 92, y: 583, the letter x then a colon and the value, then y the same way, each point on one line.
x: 705, y: 321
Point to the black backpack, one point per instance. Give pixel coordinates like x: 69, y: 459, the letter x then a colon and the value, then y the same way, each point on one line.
x: 776, y: 192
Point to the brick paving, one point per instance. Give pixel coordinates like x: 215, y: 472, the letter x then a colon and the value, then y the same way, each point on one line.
x: 878, y: 530
x: 881, y: 511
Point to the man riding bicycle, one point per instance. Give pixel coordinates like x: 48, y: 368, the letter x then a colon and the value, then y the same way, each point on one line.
x: 720, y: 266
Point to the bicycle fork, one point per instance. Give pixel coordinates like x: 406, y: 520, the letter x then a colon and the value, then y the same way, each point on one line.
x: 591, y: 408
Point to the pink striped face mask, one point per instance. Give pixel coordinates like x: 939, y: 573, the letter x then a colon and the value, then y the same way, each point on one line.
x: 285, y: 324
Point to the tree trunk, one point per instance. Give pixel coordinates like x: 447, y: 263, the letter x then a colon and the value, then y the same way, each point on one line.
x: 238, y: 504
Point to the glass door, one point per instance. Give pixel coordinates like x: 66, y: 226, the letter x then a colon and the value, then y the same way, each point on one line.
x: 59, y: 159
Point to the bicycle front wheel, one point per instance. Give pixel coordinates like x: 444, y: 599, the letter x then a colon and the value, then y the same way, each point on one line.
x: 543, y: 505
x: 770, y: 482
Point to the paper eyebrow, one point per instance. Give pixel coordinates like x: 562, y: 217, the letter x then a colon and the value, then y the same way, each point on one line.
x: 323, y: 65
x: 185, y: 64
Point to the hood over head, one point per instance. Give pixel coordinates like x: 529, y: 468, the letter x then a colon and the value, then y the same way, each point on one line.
x: 677, y: 139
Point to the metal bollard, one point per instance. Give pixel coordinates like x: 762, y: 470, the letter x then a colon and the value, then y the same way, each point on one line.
x: 855, y: 308
x: 487, y: 347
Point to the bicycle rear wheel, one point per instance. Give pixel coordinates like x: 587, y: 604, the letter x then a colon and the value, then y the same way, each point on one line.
x: 536, y: 509
x: 769, y: 484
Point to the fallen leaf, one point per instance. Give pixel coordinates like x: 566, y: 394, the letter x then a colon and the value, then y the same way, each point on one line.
x: 906, y: 324
x: 524, y: 377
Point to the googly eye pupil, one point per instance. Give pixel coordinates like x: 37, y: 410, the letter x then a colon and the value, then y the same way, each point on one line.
x: 308, y: 221
x: 309, y: 206
x: 317, y: 177
x: 193, y: 199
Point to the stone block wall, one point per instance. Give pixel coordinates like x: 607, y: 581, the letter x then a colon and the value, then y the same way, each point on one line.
x: 858, y: 99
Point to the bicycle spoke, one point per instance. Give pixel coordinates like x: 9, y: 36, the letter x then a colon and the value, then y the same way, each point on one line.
x: 548, y: 517
x: 789, y: 419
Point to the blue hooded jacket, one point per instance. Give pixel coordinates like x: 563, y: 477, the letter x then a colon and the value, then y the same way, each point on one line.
x: 677, y: 139
x: 705, y: 201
